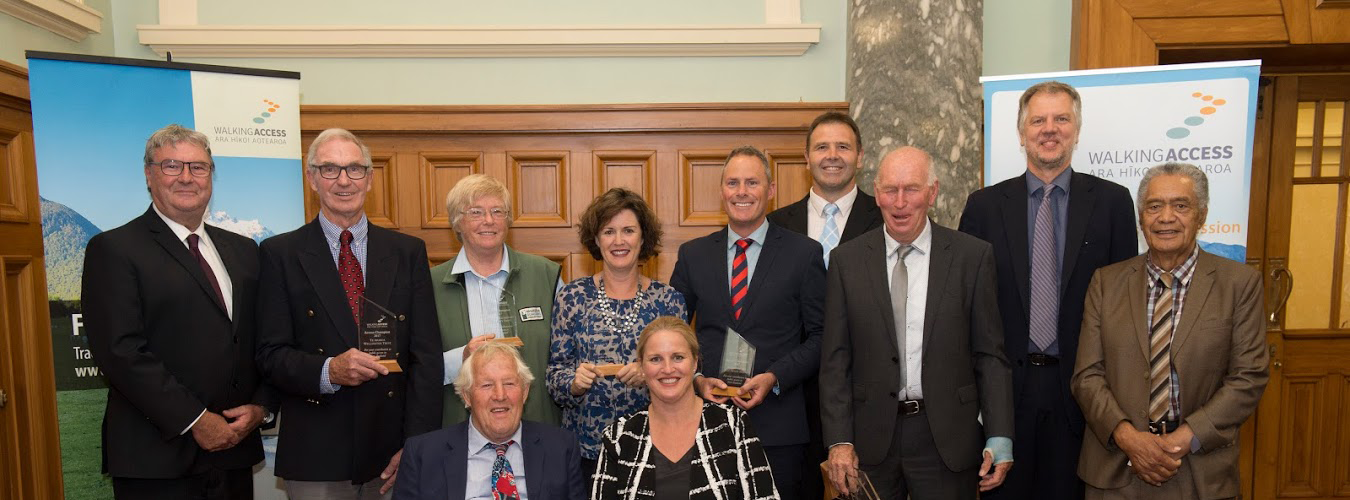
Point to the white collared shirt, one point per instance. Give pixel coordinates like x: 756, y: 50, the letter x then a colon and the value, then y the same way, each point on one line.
x: 916, y: 267
x: 482, y: 294
x: 478, y: 481
x: 815, y: 212
x: 208, y: 250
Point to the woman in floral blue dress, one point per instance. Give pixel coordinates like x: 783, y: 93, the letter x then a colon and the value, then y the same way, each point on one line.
x: 597, y: 320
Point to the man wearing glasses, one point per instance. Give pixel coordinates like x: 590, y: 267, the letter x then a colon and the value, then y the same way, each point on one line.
x: 168, y: 305
x: 346, y: 415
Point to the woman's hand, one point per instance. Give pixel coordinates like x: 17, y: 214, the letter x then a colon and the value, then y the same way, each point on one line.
x: 631, y: 375
x: 584, y: 378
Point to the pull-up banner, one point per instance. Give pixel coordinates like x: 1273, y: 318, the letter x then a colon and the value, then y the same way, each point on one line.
x: 91, y: 118
x: 1135, y: 118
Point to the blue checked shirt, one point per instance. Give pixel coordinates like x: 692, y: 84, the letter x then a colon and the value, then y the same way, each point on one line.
x: 360, y: 241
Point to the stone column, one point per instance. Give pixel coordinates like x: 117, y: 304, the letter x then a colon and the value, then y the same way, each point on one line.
x: 913, y: 79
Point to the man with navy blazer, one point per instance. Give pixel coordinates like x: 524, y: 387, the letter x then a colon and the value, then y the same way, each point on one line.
x: 345, y: 416
x: 168, y: 307
x: 1090, y: 225
x: 460, y: 461
x: 766, y: 283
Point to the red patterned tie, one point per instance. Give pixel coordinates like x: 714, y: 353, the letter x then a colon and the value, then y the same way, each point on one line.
x: 350, y: 272
x: 740, y: 276
x: 503, y: 480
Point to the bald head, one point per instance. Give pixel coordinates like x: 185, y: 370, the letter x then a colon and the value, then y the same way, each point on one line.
x: 906, y: 185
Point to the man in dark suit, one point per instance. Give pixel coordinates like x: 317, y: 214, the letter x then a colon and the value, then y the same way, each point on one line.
x: 765, y: 283
x: 168, y: 306
x: 1173, y: 357
x: 462, y: 461
x: 345, y: 415
x: 834, y: 210
x: 912, y: 354
x: 1051, y: 228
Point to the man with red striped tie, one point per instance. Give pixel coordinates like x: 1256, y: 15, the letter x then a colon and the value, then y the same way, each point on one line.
x: 767, y: 284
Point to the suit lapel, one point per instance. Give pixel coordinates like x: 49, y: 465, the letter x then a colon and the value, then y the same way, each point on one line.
x: 381, y: 267
x: 1015, y: 228
x: 860, y: 217
x: 796, y: 216
x: 534, y: 462
x: 718, y: 254
x: 229, y: 257
x: 317, y: 262
x: 180, y: 253
x: 874, y: 266
x: 1201, y: 283
x: 1138, y: 298
x: 939, y: 263
x: 1081, y: 200
x: 769, y: 249
x: 456, y: 474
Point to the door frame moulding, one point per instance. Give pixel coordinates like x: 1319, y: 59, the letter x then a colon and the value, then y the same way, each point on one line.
x: 783, y: 34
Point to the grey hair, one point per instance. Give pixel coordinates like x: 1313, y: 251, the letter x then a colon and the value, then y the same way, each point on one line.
x: 470, y: 188
x: 465, y: 381
x: 174, y: 134
x: 1051, y: 87
x: 333, y: 134
x: 751, y: 151
x: 928, y: 161
x: 1197, y: 176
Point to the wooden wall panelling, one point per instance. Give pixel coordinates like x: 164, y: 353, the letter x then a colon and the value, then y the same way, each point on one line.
x: 440, y: 170
x: 540, y: 184
x: 633, y: 170
x: 381, y: 201
x: 14, y: 150
x: 1301, y: 409
x: 792, y: 175
x: 1214, y: 30
x: 700, y: 187
x: 1106, y: 36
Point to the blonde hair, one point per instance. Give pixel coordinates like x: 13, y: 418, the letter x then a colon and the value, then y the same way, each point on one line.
x: 668, y: 324
x: 471, y: 188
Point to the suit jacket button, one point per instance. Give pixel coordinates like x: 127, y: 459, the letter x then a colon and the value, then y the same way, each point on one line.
x: 320, y: 350
x: 309, y: 313
x: 402, y: 317
x: 235, y: 383
x: 391, y: 394
x: 893, y: 396
x: 895, y: 359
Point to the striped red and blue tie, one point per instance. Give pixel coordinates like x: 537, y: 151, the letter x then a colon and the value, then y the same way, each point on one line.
x: 740, y: 276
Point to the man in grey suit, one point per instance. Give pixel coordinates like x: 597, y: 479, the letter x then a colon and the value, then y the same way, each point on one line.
x: 913, y: 351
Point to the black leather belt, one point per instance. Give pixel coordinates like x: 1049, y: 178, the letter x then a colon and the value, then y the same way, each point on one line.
x: 1038, y: 359
x: 911, y: 406
x: 1163, y: 426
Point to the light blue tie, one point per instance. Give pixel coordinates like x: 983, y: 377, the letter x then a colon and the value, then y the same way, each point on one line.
x: 829, y: 235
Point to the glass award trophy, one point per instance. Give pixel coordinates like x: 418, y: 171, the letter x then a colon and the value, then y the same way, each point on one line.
x: 375, y: 333
x: 738, y: 360
x: 865, y: 490
x: 510, y: 322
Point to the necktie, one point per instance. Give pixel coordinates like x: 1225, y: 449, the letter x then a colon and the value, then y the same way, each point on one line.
x: 350, y: 272
x: 900, y: 294
x: 740, y: 276
x: 192, y: 241
x: 1044, y: 276
x: 1159, y: 353
x: 829, y: 235
x: 503, y: 480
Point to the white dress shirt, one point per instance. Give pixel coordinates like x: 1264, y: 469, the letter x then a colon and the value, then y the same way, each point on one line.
x: 815, y: 213
x: 916, y: 266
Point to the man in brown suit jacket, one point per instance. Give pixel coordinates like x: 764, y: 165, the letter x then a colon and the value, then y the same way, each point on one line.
x: 1172, y: 355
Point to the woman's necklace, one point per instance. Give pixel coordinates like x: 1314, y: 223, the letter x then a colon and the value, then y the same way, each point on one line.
x: 609, y: 310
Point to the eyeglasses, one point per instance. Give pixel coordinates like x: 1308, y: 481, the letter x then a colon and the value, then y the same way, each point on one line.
x: 354, y: 171
x: 174, y: 168
x: 478, y: 213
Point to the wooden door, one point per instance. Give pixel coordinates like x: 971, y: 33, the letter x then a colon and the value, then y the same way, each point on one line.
x: 30, y: 461
x: 1301, y: 433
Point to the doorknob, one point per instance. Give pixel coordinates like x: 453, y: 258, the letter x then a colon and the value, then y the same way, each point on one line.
x: 1286, y: 288
x: 3, y: 399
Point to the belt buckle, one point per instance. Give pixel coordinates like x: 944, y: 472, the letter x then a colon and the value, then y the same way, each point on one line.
x: 910, y: 406
x: 1160, y: 427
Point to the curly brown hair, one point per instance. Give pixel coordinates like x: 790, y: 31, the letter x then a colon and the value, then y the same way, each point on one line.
x: 605, y: 207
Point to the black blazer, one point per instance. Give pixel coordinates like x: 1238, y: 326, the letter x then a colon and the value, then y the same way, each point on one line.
x: 865, y: 216
x: 1100, y: 231
x: 168, y: 348
x: 784, y: 305
x: 303, y: 319
x: 964, y: 369
x: 435, y: 465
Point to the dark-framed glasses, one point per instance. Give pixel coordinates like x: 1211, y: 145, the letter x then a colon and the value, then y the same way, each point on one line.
x: 174, y: 168
x: 354, y: 171
x: 476, y: 213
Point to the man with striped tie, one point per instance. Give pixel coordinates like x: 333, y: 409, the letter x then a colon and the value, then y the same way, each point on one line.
x: 1172, y: 355
x: 767, y: 284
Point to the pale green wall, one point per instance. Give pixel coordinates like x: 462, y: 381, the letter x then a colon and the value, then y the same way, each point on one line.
x: 1020, y: 36
x: 1027, y: 36
x: 17, y: 36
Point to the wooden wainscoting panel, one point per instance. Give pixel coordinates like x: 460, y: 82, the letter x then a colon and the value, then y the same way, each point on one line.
x: 1105, y: 36
x: 1340, y: 475
x: 440, y: 171
x: 539, y: 185
x: 14, y: 147
x: 700, y: 187
x: 1301, y: 411
x: 1172, y: 8
x: 791, y: 174
x: 1214, y: 30
x: 381, y: 201
x: 626, y: 169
